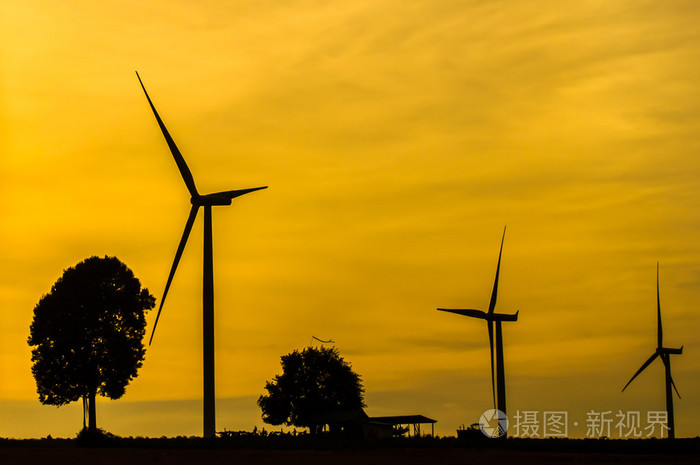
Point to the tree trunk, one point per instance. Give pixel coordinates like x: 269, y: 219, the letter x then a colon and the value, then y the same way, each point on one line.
x: 92, y: 419
x: 84, y: 411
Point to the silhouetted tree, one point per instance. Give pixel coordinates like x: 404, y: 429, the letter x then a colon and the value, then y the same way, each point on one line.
x: 88, y: 333
x: 314, y: 381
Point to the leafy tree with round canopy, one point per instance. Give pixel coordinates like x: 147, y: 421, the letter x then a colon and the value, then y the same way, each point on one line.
x: 313, y: 382
x: 87, y: 334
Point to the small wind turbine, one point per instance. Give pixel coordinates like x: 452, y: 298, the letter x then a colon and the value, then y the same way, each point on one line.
x: 665, y: 354
x: 206, y: 201
x: 498, y: 381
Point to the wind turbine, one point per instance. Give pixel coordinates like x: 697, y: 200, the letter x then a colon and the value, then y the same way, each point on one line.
x: 664, y: 353
x: 207, y: 201
x: 498, y: 382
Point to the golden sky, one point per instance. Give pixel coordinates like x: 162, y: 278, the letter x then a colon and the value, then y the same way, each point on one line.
x: 397, y: 138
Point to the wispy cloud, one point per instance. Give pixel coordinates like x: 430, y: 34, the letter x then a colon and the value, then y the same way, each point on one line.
x: 397, y: 139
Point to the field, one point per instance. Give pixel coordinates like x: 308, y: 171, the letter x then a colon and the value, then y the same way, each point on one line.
x: 107, y: 456
x: 185, y: 451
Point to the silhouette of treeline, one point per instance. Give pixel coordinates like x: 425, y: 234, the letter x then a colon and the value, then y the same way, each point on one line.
x: 288, y: 441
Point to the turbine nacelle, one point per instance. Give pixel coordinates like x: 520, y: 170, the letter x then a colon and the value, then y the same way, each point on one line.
x: 666, y: 350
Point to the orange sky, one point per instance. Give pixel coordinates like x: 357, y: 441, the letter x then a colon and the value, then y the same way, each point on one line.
x: 397, y: 138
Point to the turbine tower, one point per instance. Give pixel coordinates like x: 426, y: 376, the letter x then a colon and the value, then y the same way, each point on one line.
x: 498, y: 381
x: 664, y: 353
x: 207, y: 201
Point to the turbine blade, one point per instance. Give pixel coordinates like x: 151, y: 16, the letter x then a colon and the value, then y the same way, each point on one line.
x: 664, y: 358
x: 235, y: 193
x: 675, y: 388
x: 660, y: 333
x: 493, y: 377
x: 467, y: 312
x: 492, y: 303
x: 179, y: 160
x: 178, y: 255
x: 646, y: 364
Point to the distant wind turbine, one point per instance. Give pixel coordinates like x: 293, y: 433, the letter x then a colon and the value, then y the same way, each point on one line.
x: 197, y: 201
x: 665, y: 354
x: 498, y: 381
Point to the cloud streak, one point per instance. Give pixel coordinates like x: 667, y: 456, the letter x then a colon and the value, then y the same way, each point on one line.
x: 397, y: 141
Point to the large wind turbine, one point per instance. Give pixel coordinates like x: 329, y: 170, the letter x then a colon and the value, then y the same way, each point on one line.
x: 665, y: 354
x: 498, y: 383
x: 197, y: 201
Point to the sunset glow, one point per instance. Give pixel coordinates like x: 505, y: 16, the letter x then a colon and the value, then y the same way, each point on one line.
x: 397, y: 140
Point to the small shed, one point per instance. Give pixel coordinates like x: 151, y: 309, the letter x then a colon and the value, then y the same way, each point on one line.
x: 357, y: 423
x: 351, y: 423
x: 414, y: 421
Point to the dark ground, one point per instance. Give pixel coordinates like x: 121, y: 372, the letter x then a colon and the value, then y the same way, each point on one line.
x: 292, y: 451
x: 108, y: 456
